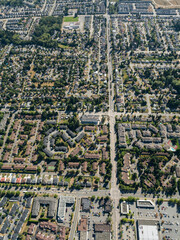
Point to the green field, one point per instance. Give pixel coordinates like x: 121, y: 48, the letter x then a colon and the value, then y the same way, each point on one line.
x: 63, y: 46
x: 70, y: 19
x: 50, y: 168
x: 178, y: 144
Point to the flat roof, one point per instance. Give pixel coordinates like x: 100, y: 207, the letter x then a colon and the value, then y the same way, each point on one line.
x: 145, y: 203
x: 124, y: 208
x: 148, y: 229
x: 148, y: 232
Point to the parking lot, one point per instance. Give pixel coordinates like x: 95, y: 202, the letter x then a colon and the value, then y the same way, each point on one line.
x: 128, y: 231
x: 170, y: 228
x: 96, y: 215
x: 68, y: 214
x: 143, y: 213
x: 167, y: 215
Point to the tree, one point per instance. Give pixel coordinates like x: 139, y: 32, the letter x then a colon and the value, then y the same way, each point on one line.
x: 178, y: 185
x: 38, y: 169
x: 108, y: 220
x: 17, y: 193
x: 93, y: 198
x: 73, y: 123
x: 177, y: 25
x: 159, y: 201
x: 66, y: 11
x: 20, y: 237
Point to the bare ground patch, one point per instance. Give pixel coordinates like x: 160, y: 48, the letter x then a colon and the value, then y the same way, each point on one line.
x: 162, y: 2
x: 31, y: 72
x: 47, y: 84
x: 175, y: 2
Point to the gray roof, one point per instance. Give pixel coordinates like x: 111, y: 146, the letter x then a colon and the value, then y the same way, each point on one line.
x: 72, y: 134
x: 65, y: 137
x: 51, y: 202
x: 90, y: 119
x: 80, y: 136
x: 61, y: 149
x: 70, y: 142
x: 147, y: 222
x: 63, y: 127
x: 24, y: 215
x: 47, y: 152
x: 51, y: 122
x: 49, y: 131
x: 15, y: 236
x: 18, y: 227
x: 5, y: 226
x: 13, y: 210
x: 103, y: 236
x: 3, y: 202
x: 86, y: 204
x: 28, y: 202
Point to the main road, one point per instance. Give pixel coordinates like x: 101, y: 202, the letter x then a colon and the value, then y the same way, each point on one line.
x: 114, y: 192
x: 75, y: 220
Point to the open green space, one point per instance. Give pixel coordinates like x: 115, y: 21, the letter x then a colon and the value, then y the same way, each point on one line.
x: 63, y: 46
x: 50, y: 168
x: 71, y: 19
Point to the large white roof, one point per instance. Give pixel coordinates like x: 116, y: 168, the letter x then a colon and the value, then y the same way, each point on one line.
x: 148, y: 232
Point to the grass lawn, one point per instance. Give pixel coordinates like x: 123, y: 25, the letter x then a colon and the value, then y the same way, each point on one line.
x: 63, y: 46
x: 50, y: 168
x: 10, y: 204
x: 67, y: 179
x: 71, y: 19
x: 60, y: 178
x: 178, y: 144
x: 128, y: 140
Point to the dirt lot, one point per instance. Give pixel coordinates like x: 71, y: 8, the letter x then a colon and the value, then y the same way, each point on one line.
x: 175, y: 2
x: 162, y: 2
x: 167, y: 3
x: 47, y: 84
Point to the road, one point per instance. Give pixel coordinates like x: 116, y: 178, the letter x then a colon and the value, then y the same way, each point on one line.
x: 75, y: 219
x: 148, y: 103
x: 34, y: 140
x: 115, y: 193
x: 52, y: 9
x: 44, y: 5
x: 119, y: 114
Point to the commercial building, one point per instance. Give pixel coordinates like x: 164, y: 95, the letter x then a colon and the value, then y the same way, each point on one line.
x: 63, y: 202
x: 102, y: 231
x: 145, y: 204
x: 124, y: 208
x: 86, y: 204
x: 147, y: 230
